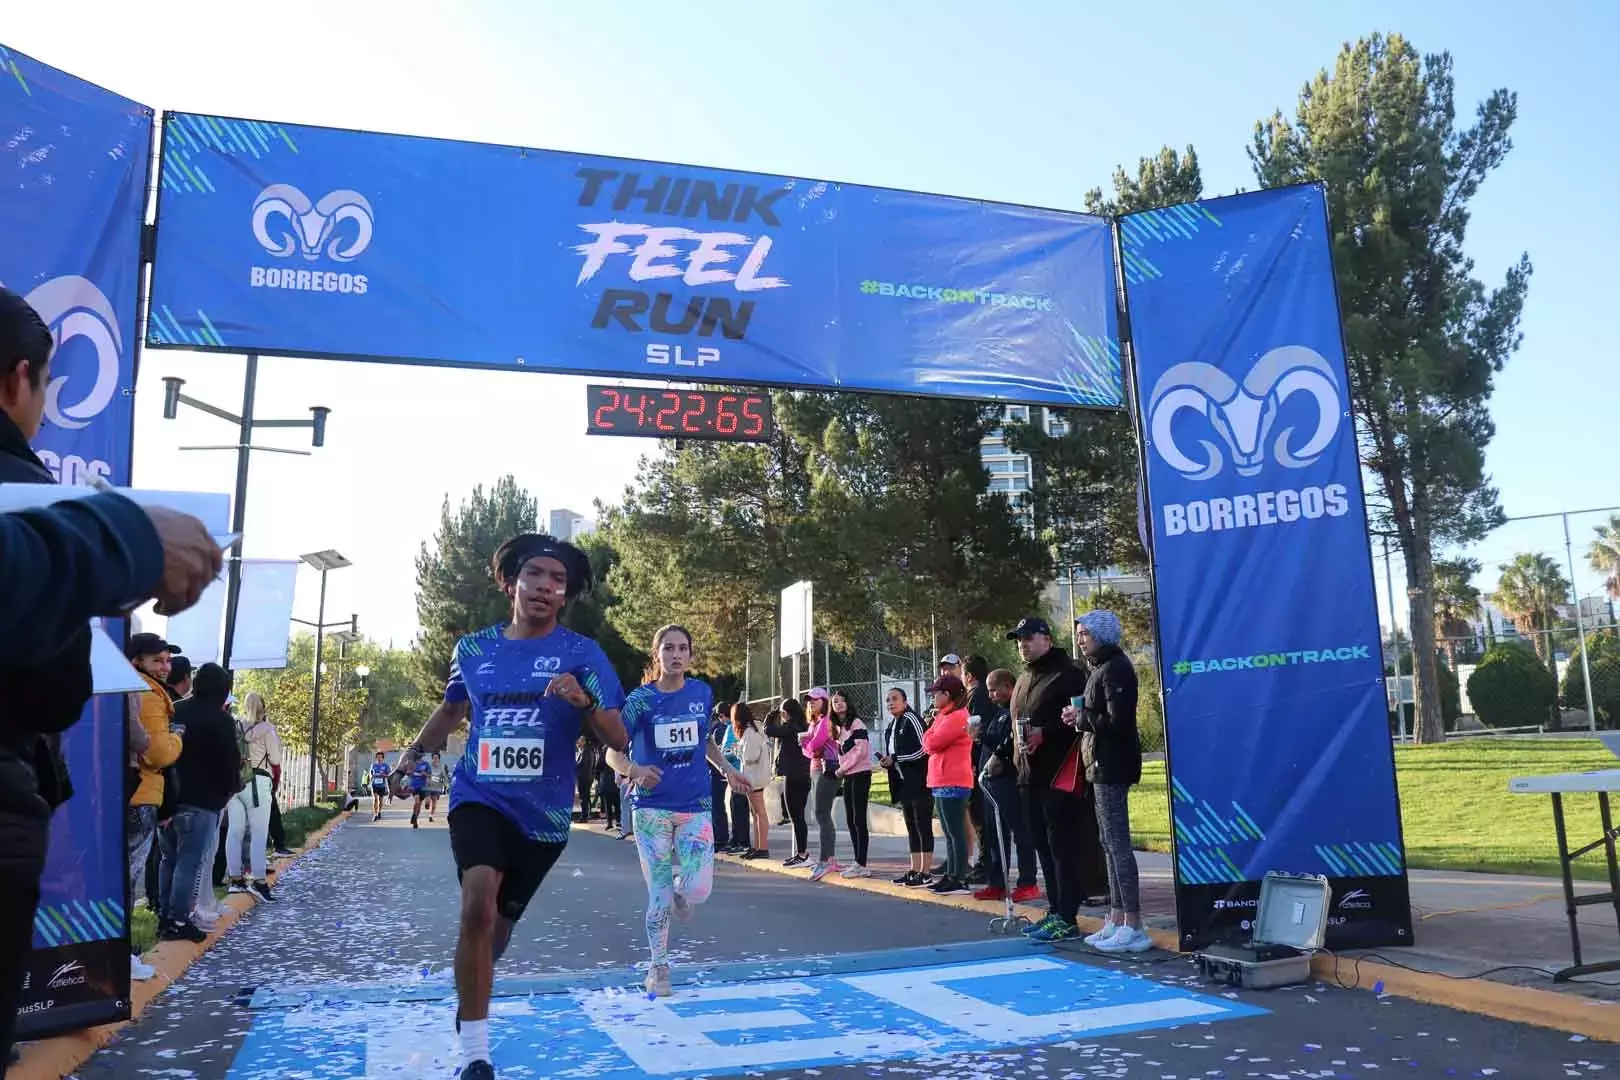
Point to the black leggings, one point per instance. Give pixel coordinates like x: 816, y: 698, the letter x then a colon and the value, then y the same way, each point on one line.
x: 798, y: 795
x: 917, y: 807
x: 610, y: 801
x: 857, y: 788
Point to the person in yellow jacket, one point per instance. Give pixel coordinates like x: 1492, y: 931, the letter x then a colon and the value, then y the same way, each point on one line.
x: 153, y: 711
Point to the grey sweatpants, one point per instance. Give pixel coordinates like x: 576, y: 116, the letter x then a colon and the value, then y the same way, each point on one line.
x: 1114, y: 830
x: 826, y: 794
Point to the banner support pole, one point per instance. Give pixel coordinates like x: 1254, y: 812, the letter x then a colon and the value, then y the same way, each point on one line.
x: 233, y: 590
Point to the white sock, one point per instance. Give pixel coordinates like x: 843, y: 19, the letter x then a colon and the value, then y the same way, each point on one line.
x: 474, y: 1041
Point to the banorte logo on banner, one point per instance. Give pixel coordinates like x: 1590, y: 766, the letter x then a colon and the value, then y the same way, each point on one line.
x: 74, y: 307
x: 338, y: 229
x: 1243, y: 415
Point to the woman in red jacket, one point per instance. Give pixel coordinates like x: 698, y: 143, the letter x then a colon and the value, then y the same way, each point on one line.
x: 950, y: 776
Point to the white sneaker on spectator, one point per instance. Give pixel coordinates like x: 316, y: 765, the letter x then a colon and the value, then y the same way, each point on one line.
x: 1109, y: 929
x: 205, y: 920
x: 1126, y: 940
x: 139, y: 969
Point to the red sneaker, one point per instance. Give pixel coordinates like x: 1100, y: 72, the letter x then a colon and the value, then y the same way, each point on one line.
x: 990, y: 893
x: 1025, y: 893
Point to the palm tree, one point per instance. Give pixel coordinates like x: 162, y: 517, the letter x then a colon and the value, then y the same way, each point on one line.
x: 1604, y: 555
x: 1529, y: 588
x: 1455, y: 599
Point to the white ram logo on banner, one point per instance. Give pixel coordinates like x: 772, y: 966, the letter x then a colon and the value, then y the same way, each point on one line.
x: 1244, y: 415
x: 73, y: 307
x: 313, y: 226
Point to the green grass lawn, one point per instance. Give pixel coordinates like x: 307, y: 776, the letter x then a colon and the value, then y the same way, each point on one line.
x: 1456, y: 810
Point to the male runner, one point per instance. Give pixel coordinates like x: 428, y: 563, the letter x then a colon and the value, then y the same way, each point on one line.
x: 419, y: 785
x: 379, y: 785
x: 526, y: 687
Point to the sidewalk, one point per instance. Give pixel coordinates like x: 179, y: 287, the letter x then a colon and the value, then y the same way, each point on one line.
x: 1465, y: 924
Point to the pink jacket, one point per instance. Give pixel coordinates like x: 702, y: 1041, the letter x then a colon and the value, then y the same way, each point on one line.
x: 950, y: 750
x: 819, y: 746
x: 858, y: 758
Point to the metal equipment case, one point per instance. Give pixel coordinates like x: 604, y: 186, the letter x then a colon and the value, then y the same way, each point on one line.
x: 1289, y: 924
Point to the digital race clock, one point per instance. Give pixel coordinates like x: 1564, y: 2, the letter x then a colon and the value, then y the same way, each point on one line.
x: 728, y: 415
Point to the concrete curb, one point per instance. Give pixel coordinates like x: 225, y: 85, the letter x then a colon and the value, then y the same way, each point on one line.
x: 57, y: 1057
x: 1520, y: 1004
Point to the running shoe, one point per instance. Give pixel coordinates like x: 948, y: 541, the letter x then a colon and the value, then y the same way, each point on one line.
x: 1056, y: 929
x: 905, y: 878
x: 186, y: 931
x: 658, y: 981
x: 237, y: 885
x: 797, y: 860
x: 821, y: 870
x: 1109, y: 929
x: 920, y: 880
x: 1023, y: 894
x: 282, y: 852
x: 140, y: 970
x: 948, y: 885
x: 1031, y: 931
x: 856, y: 871
x: 261, y: 889
x: 990, y: 892
x: 1127, y: 939
x: 758, y: 853
x: 478, y: 1070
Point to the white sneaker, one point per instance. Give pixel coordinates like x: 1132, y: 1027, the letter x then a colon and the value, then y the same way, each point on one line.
x: 1109, y: 929
x: 140, y: 970
x: 1126, y: 940
x: 857, y: 871
x: 205, y: 920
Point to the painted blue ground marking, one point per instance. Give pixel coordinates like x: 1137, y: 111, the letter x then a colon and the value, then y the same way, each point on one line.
x: 724, y: 1029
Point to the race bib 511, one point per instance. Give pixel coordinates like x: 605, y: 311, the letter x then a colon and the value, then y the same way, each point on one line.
x: 679, y: 735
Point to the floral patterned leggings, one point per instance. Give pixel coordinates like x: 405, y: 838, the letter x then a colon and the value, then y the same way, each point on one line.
x: 677, y: 856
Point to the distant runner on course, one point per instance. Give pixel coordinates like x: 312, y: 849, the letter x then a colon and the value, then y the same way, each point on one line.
x: 526, y: 687
x: 379, y: 785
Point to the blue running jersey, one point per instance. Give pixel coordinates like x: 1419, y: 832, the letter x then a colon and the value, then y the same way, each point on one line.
x: 419, y: 774
x: 379, y: 772
x: 519, y: 759
x: 671, y: 732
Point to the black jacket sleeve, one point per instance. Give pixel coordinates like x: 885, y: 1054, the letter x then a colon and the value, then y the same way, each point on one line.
x: 1111, y: 698
x: 61, y: 565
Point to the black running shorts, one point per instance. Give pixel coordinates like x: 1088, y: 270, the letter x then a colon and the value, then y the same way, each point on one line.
x: 483, y: 836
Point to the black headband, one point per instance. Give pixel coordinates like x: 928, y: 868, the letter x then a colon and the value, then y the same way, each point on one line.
x: 520, y: 549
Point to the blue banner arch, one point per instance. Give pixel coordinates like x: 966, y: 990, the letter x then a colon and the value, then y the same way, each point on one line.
x: 79, y: 157
x: 1275, y: 716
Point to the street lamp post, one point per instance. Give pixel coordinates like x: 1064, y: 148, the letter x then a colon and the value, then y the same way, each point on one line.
x: 245, y: 424
x: 1580, y: 620
x: 324, y: 561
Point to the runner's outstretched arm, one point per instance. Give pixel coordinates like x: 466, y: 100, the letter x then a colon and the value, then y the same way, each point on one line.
x: 434, y: 734
x: 734, y: 778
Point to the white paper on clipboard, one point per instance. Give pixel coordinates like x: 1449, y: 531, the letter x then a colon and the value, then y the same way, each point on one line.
x: 110, y: 672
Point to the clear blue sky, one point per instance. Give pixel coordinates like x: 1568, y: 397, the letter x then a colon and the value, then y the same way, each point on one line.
x: 1031, y: 103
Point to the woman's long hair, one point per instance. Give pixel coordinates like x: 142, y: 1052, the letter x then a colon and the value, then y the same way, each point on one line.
x: 742, y: 718
x: 794, y: 712
x: 655, y: 670
x: 842, y: 724
x: 253, y: 710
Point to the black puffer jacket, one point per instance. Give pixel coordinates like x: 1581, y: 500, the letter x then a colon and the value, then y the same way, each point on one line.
x: 1109, y: 744
x: 1043, y: 689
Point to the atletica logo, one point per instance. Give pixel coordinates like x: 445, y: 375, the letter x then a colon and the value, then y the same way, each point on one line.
x: 1271, y: 660
x: 1243, y: 416
x: 337, y: 228
x: 69, y: 974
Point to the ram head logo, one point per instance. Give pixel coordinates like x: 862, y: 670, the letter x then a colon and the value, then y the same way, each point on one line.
x: 1244, y: 415
x: 72, y: 307
x: 285, y: 221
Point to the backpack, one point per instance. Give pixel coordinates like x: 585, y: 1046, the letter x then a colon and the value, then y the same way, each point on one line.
x: 244, y: 750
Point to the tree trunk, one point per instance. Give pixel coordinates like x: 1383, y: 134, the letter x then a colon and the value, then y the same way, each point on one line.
x: 1430, y: 726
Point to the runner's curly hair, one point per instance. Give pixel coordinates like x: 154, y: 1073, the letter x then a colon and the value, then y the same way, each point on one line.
x: 510, y: 557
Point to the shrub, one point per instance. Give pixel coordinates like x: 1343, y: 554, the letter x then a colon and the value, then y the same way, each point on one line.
x: 1511, y: 688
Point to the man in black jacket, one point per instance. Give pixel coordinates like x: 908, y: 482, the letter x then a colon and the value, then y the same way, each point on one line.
x: 1062, y: 827
x: 208, y: 773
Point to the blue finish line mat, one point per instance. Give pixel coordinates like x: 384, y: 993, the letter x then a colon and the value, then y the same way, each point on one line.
x: 831, y: 1011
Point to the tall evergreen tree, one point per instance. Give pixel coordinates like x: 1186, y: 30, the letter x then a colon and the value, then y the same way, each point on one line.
x: 455, y: 590
x: 1424, y: 338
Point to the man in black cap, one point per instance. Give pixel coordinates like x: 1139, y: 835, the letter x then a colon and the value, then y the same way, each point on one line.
x: 60, y: 565
x: 1042, y: 743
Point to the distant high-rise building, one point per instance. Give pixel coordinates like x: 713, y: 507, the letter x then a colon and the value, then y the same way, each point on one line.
x: 567, y: 525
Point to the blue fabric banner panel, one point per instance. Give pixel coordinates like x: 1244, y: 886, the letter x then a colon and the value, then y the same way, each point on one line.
x: 76, y: 163
x: 279, y: 238
x: 1277, y: 728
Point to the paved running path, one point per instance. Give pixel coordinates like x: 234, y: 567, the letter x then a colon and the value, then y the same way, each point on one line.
x: 375, y: 908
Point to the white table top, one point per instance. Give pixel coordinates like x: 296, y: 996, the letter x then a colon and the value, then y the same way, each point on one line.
x: 1566, y: 783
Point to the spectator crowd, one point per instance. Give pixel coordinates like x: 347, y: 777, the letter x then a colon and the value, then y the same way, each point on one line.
x: 1022, y: 779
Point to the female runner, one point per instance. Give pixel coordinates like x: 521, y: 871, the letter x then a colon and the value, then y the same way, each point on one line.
x: 667, y: 720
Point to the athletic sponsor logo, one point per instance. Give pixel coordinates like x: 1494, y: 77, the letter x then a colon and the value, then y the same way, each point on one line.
x: 1356, y: 900
x: 69, y: 974
x: 546, y: 666
x: 487, y: 667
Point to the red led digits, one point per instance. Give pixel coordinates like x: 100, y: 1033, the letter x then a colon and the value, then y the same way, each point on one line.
x: 610, y: 403
x: 753, y: 421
